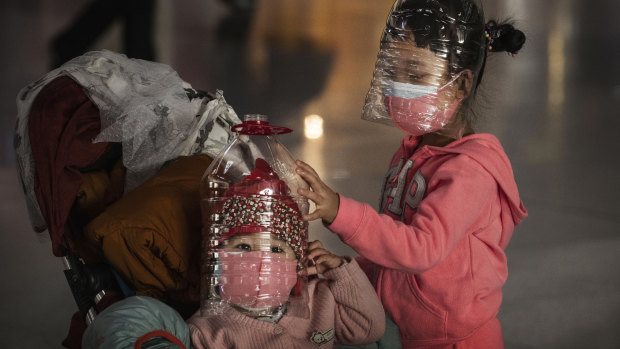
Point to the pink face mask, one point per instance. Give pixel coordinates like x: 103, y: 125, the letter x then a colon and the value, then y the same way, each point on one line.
x: 257, y: 279
x: 423, y: 113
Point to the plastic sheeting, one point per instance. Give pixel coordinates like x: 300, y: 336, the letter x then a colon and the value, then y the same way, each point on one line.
x: 427, y: 45
x: 145, y: 105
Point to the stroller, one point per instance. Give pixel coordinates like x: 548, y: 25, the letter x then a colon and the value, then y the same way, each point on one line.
x: 110, y: 152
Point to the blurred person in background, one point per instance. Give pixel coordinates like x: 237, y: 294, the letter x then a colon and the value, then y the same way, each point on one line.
x: 137, y: 17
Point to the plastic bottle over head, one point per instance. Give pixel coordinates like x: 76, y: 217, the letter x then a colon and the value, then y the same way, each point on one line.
x: 249, y: 196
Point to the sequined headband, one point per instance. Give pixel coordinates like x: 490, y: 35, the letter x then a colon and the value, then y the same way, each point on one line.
x: 268, y: 214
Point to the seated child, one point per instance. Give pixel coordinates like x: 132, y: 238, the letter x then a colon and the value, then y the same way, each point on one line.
x: 343, y: 306
x: 263, y: 302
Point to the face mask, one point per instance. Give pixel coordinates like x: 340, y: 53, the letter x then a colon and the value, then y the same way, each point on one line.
x: 257, y: 279
x: 416, y: 109
x: 405, y: 90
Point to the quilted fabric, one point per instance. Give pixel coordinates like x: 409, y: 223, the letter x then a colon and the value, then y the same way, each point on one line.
x: 151, y: 236
x: 124, y: 323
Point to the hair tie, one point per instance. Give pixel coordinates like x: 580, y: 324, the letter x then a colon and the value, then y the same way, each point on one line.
x: 492, y: 33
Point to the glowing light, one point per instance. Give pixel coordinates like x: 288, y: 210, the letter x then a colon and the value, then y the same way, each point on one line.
x: 557, y: 67
x: 313, y: 126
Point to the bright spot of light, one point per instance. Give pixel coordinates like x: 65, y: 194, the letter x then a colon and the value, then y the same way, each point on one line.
x: 313, y: 126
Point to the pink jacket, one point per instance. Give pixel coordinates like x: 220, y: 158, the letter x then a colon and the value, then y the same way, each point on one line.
x: 436, y: 253
x: 344, y: 308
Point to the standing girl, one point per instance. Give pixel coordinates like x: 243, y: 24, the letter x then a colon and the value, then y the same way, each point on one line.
x: 435, y: 250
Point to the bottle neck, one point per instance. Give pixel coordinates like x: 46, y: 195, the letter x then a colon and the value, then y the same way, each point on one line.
x: 255, y: 117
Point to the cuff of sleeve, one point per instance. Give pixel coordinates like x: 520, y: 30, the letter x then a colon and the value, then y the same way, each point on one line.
x: 348, y: 219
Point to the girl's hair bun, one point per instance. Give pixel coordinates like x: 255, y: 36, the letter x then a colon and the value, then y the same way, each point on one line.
x: 503, y: 38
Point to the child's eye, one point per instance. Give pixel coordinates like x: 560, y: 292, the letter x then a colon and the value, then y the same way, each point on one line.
x: 416, y: 77
x: 276, y: 249
x: 244, y: 247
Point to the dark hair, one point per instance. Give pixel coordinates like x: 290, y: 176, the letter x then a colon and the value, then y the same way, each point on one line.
x: 501, y: 37
x: 453, y: 29
x: 504, y: 37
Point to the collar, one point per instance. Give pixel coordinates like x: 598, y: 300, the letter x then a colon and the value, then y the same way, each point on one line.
x: 264, y: 315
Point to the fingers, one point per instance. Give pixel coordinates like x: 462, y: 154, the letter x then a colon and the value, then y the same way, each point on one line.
x: 312, y: 195
x: 306, y: 168
x: 309, y: 175
x: 311, y: 271
x: 315, y: 248
x: 327, y: 261
x: 322, y: 258
x: 326, y: 200
x: 317, y: 199
x: 315, y: 244
x: 313, y: 255
x: 311, y: 216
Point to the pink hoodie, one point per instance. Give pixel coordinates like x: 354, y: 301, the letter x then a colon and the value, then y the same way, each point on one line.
x: 436, y: 253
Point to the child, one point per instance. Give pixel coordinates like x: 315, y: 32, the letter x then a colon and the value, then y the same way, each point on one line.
x: 260, y: 252
x: 435, y: 250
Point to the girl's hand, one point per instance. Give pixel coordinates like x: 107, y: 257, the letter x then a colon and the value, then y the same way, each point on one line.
x: 322, y: 258
x: 325, y: 199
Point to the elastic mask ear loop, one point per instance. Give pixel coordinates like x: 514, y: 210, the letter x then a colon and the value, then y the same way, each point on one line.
x: 453, y: 80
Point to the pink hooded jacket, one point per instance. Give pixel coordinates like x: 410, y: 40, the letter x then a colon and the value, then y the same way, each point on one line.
x: 436, y: 253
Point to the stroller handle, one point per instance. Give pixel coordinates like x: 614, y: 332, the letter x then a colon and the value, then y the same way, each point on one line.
x: 88, y: 284
x: 76, y: 277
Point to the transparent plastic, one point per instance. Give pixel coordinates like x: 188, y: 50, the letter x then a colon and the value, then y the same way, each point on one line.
x: 427, y: 49
x: 254, y: 239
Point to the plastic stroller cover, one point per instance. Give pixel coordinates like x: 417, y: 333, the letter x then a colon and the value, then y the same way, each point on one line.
x: 137, y: 320
x: 145, y: 105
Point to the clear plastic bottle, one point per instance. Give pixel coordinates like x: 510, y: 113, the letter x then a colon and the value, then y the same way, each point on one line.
x: 249, y: 195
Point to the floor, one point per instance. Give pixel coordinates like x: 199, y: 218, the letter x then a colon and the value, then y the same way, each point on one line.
x: 549, y: 106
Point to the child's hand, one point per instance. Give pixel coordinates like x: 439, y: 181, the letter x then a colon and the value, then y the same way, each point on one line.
x: 322, y: 258
x: 325, y: 199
